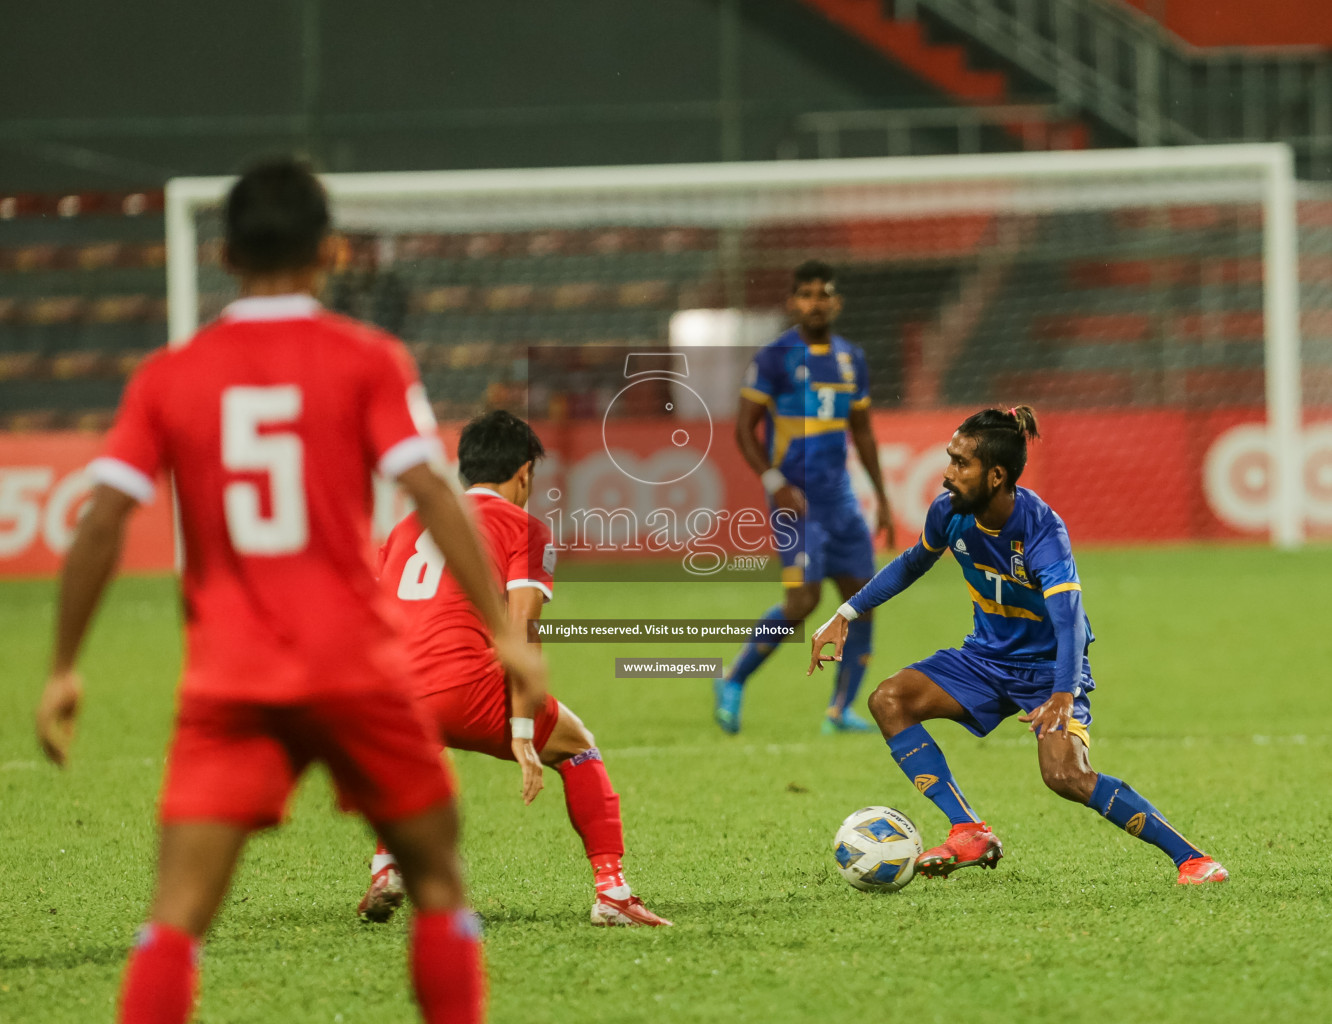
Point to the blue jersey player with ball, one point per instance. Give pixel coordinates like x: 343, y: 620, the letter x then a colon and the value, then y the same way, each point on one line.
x: 1026, y: 653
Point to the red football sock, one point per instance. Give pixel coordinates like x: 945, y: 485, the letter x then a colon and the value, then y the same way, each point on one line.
x: 447, y: 972
x: 160, y: 977
x: 382, y: 858
x: 594, y: 810
x: 608, y: 874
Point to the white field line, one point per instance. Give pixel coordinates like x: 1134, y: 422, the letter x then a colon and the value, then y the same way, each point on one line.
x: 789, y: 749
x: 785, y: 749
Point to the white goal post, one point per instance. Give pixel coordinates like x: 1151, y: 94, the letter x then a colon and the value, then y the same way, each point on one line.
x: 750, y: 193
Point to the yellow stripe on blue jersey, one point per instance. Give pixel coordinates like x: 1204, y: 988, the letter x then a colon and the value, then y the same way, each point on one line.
x: 810, y: 392
x: 787, y: 429
x: 1007, y: 578
x: 754, y: 395
x: 992, y: 607
x: 1009, y: 575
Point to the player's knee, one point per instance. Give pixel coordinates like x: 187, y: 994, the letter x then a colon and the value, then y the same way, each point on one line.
x: 1070, y: 781
x: 569, y: 738
x: 890, y: 707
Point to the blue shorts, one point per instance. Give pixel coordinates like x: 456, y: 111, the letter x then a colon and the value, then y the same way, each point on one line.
x: 829, y: 541
x: 991, y: 691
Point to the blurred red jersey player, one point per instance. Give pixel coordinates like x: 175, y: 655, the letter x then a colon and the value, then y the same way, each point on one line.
x: 463, y: 688
x: 271, y: 420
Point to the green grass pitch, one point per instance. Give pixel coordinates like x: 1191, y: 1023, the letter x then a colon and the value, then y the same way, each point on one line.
x: 1215, y: 701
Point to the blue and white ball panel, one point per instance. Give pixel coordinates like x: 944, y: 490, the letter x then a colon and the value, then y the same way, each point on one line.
x: 876, y: 849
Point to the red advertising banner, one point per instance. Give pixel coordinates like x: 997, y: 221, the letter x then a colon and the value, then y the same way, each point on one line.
x: 1116, y: 477
x: 42, y: 488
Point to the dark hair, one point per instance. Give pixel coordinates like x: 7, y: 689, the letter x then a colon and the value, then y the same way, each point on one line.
x: 276, y: 215
x: 494, y: 446
x: 1001, y: 438
x: 812, y: 270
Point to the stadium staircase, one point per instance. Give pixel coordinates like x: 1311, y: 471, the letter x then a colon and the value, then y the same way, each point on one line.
x: 944, y: 65
x: 1107, y: 66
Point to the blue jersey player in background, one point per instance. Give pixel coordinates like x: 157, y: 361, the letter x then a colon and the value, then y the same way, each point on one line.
x: 1027, y: 651
x: 803, y: 392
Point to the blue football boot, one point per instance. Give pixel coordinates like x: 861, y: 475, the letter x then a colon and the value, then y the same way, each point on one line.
x: 847, y: 721
x: 726, y: 710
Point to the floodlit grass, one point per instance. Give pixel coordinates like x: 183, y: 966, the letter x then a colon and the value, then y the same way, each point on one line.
x: 1214, y: 701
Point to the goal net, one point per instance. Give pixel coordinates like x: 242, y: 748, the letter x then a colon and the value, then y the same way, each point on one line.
x: 1147, y: 303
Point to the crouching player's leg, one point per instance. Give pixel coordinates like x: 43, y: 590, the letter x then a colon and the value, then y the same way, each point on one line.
x: 900, y: 704
x: 594, y: 812
x: 477, y: 718
x: 1067, y: 770
x: 386, y: 766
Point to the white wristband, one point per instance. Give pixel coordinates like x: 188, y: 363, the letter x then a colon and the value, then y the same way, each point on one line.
x: 773, y: 480
x: 847, y: 612
x: 522, y: 728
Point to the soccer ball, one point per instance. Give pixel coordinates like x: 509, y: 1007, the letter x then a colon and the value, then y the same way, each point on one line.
x: 876, y: 849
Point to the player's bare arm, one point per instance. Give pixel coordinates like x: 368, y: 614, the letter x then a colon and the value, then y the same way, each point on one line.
x: 88, y: 567
x: 747, y: 419
x: 525, y: 604
x: 452, y: 529
x: 867, y: 449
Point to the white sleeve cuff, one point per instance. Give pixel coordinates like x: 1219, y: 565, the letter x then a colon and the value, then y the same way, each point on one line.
x: 123, y: 477
x: 519, y: 584
x: 847, y: 612
x: 411, y: 451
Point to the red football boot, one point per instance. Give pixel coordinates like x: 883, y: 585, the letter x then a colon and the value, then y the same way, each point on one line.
x: 630, y: 911
x: 384, y: 896
x: 970, y: 844
x: 1200, y: 870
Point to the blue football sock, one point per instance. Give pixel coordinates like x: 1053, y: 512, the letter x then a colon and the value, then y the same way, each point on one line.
x: 851, y: 669
x: 920, y: 757
x: 756, y: 651
x: 1119, y: 802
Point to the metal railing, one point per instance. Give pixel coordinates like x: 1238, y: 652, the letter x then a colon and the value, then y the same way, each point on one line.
x: 1116, y: 63
x: 1034, y: 125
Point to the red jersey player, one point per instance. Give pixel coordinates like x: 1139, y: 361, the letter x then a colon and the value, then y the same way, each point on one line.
x: 463, y: 688
x: 271, y: 420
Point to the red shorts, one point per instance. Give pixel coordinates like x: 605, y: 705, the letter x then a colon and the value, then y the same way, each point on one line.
x: 476, y: 717
x: 238, y: 761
